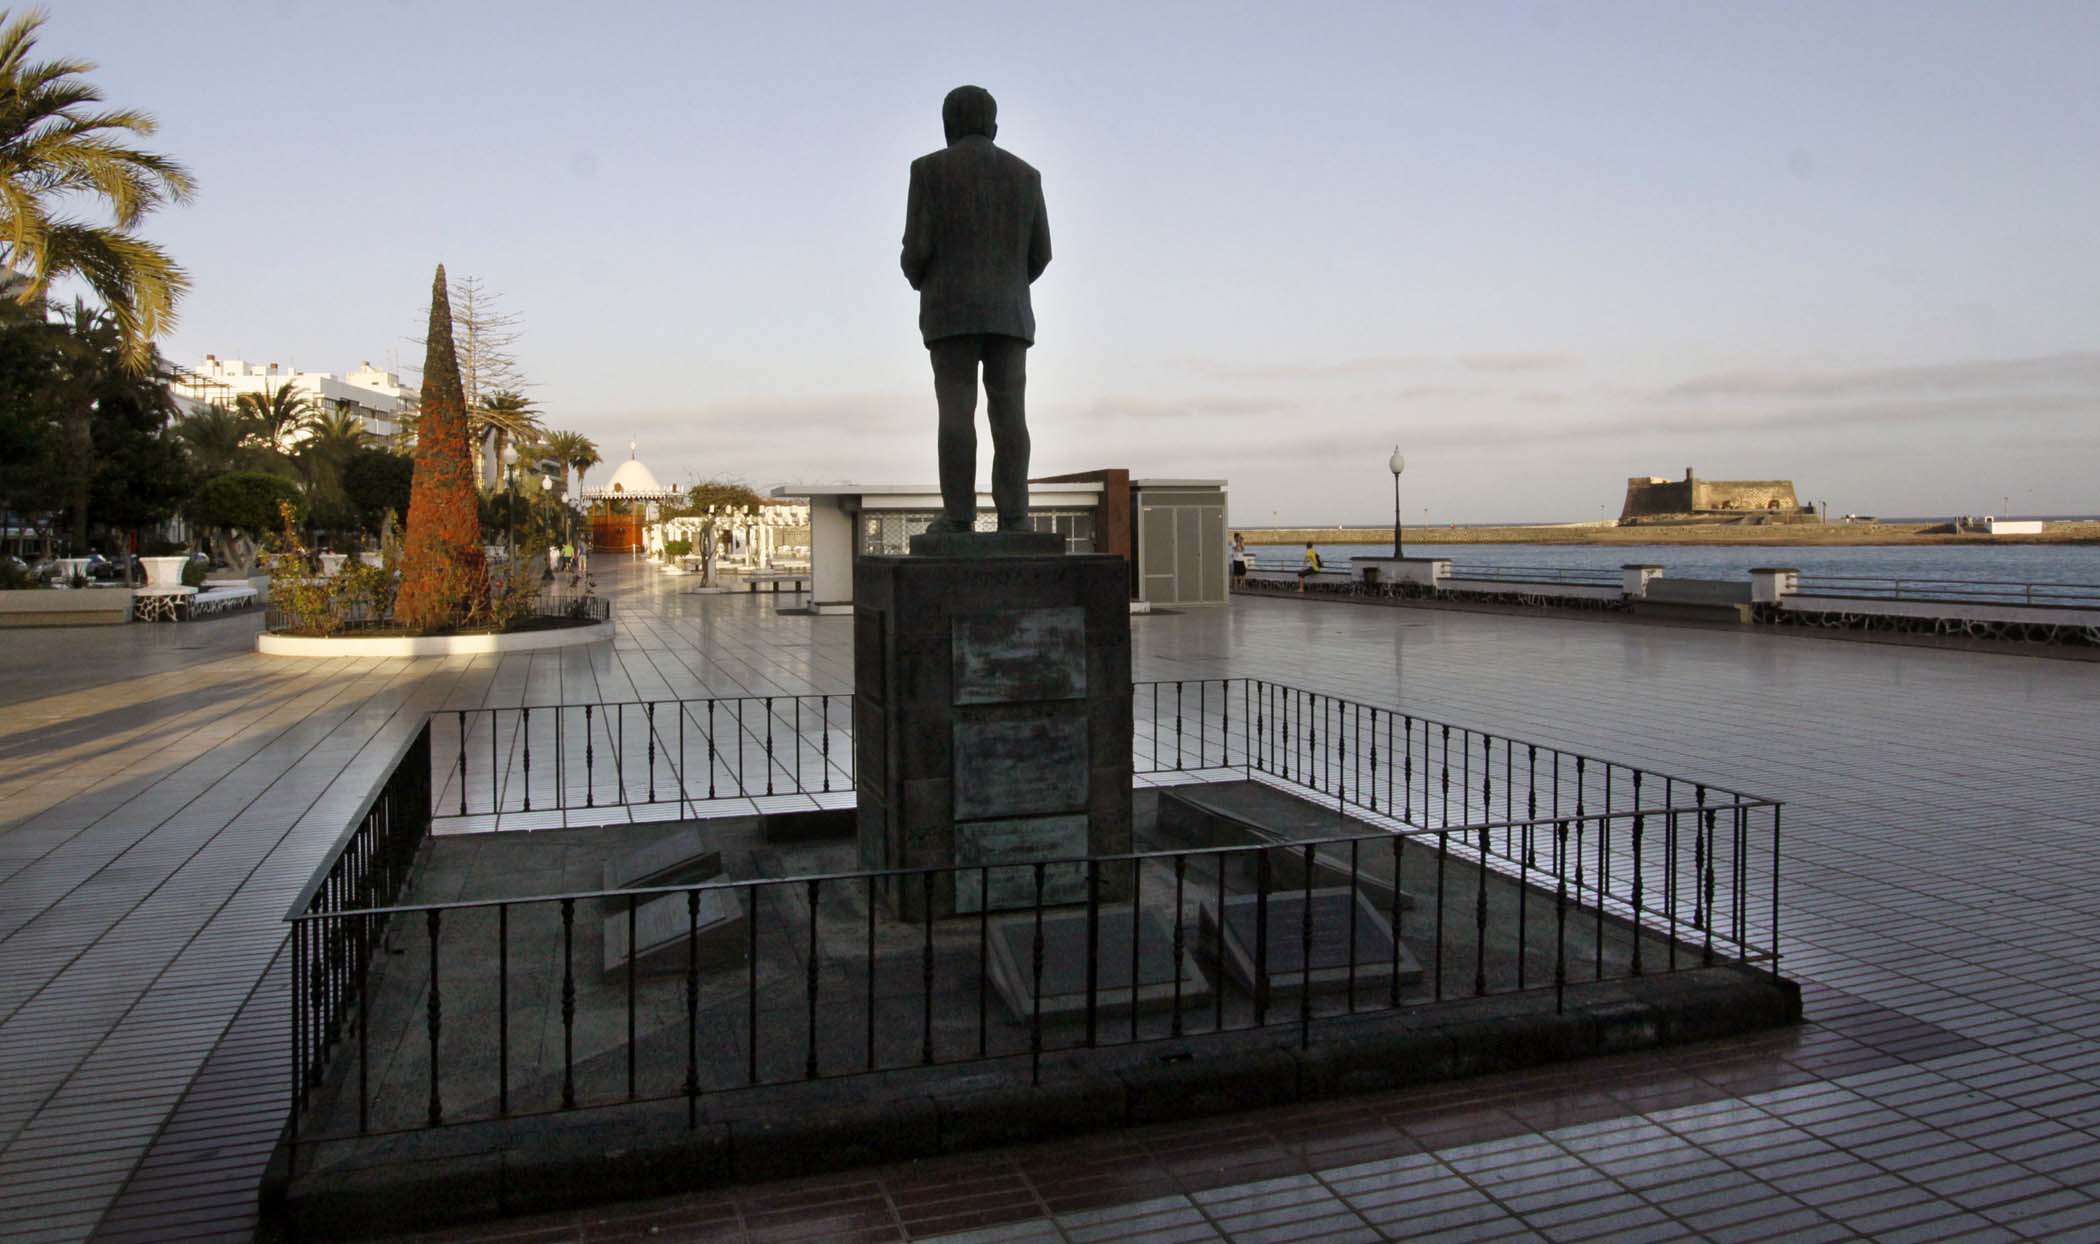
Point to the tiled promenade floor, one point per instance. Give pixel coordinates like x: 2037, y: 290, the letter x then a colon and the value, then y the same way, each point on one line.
x: 168, y: 793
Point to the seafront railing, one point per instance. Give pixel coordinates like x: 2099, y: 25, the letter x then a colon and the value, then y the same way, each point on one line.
x: 1991, y: 591
x: 1460, y: 863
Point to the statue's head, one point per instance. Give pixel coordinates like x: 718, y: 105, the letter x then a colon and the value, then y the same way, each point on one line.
x: 970, y: 110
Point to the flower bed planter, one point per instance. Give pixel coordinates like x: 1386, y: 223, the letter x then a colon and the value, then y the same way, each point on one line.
x: 104, y: 606
x: 383, y: 645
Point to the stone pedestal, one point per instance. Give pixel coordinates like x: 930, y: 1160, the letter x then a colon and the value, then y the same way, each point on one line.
x: 992, y: 719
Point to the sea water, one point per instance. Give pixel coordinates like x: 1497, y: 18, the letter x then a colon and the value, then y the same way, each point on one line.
x: 2008, y: 563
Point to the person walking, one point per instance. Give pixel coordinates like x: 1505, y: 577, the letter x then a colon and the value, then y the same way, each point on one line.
x: 1309, y: 565
x: 1237, y: 554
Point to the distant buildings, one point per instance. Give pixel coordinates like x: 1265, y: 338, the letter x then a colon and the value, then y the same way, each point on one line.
x: 373, y: 395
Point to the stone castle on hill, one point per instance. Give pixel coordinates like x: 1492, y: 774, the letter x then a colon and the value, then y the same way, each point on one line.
x: 1652, y: 496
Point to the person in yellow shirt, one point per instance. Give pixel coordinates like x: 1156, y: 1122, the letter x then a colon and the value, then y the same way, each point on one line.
x: 1310, y: 565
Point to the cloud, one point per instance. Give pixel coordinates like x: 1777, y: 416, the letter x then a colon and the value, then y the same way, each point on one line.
x: 1526, y: 363
x: 1378, y: 366
x: 2078, y: 370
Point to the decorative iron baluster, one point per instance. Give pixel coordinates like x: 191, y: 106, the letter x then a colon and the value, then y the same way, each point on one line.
x: 1639, y: 825
x: 649, y: 716
x: 1443, y: 785
x: 525, y: 732
x: 1560, y: 922
x: 1480, y: 920
x: 1261, y: 720
x: 1670, y: 864
x: 1487, y: 791
x: 1701, y: 826
x: 463, y: 760
x: 590, y: 753
x: 1375, y: 714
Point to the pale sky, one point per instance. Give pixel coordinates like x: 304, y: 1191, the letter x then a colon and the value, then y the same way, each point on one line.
x: 1541, y: 246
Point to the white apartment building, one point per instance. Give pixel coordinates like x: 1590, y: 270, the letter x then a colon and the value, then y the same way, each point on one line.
x: 373, y: 395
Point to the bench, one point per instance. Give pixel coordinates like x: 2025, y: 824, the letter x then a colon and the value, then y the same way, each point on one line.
x: 1695, y: 600
x: 178, y: 604
x: 776, y: 578
x: 220, y: 599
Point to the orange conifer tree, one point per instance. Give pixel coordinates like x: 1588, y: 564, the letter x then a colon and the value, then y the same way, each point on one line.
x: 443, y: 577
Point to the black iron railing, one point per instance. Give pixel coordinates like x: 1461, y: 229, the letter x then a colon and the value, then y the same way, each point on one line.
x: 1495, y: 865
x: 502, y: 764
x: 1978, y: 591
x: 507, y: 766
x: 366, y: 871
x: 819, y: 984
x: 1580, y: 576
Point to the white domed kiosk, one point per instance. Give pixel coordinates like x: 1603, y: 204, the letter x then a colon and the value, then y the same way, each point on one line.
x: 633, y: 486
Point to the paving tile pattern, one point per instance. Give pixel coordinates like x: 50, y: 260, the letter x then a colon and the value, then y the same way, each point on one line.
x: 1943, y: 901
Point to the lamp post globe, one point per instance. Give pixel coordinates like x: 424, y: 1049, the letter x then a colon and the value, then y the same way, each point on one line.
x: 1396, y: 464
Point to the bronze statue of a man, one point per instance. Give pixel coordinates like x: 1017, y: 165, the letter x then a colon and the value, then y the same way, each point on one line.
x: 975, y: 237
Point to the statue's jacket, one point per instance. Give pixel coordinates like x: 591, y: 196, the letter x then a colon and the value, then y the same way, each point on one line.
x: 975, y: 235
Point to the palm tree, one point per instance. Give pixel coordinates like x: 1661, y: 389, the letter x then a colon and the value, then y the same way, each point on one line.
x: 506, y: 415
x: 217, y: 438
x: 54, y: 150
x: 280, y: 418
x: 332, y: 438
x: 575, y: 451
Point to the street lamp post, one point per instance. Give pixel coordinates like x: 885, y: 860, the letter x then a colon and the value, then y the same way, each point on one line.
x: 547, y: 491
x: 1396, y: 464
x: 510, y: 510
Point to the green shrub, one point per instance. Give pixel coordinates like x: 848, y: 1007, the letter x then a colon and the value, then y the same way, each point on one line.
x: 194, y: 572
x: 245, y: 501
x: 677, y: 548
